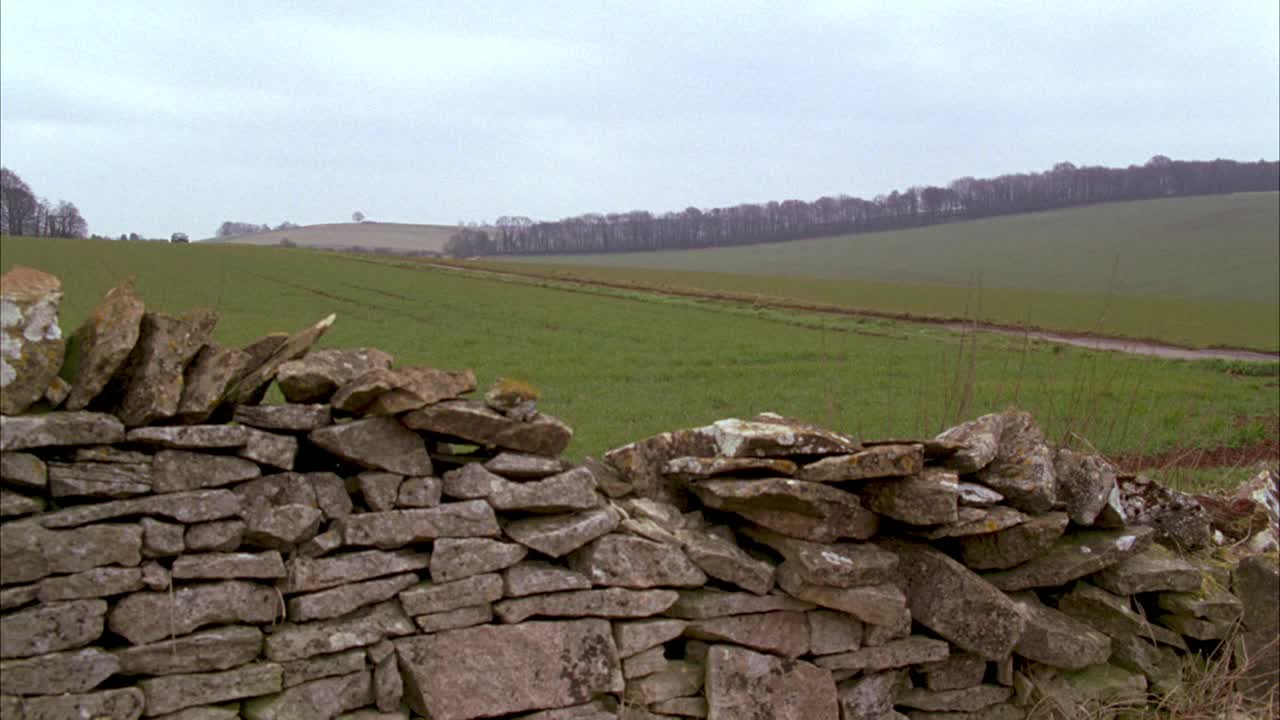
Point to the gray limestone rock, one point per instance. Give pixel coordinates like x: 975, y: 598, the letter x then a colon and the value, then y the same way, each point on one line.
x: 972, y: 699
x: 566, y: 492
x: 179, y: 470
x: 1154, y: 570
x: 956, y: 603
x: 278, y: 451
x: 311, y: 574
x: 742, y: 684
x: 31, y: 343
x: 533, y: 577
x: 457, y: 558
x: 784, y: 633
x: 473, y: 421
x: 99, y: 480
x: 161, y: 539
x: 869, y: 697
x: 125, y: 704
x: 206, y: 380
x: 495, y: 670
x: 956, y: 672
x: 24, y: 471
x: 217, y: 536
x: 187, y: 507
x: 51, y: 627
x: 98, y: 582
x: 14, y: 504
x: 32, y: 552
x: 1084, y: 484
x: 149, y: 383
x: 219, y: 566
x: 680, y: 678
x: 191, y: 607
x: 419, y: 492
x: 171, y: 693
x: 636, y: 636
x: 379, y: 443
x: 396, y: 528
x: 914, y: 650
x: 833, y: 564
x: 189, y: 437
x: 454, y: 619
x: 979, y: 440
x: 59, y: 429
x: 290, y: 417
x: 689, y: 469
x: 297, y: 672
x: 363, y: 627
x: 1179, y: 519
x: 76, y: 671
x: 324, y: 698
x: 1113, y: 615
x: 219, y: 648
x: 882, y: 604
x: 559, y: 535
x: 282, y: 526
x: 391, y: 392
x: 972, y: 521
x: 632, y: 562
x: 252, y: 386
x: 809, y: 511
x: 1023, y: 469
x: 380, y: 489
x: 879, y: 461
x: 471, y: 482
x: 525, y: 466
x: 833, y: 632
x: 724, y: 560
x: 104, y: 341
x: 347, y: 598
x: 929, y: 498
x: 1057, y: 639
x: 428, y: 598
x: 317, y: 376
x: 1074, y: 556
x: 701, y: 603
x: 607, y: 603
x: 1015, y: 545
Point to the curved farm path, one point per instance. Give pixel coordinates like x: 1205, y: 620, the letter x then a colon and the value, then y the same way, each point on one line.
x: 1133, y: 346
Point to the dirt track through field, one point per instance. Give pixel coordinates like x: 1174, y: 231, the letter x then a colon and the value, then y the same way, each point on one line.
x: 1133, y: 346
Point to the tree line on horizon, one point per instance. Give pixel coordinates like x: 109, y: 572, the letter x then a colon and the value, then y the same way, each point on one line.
x: 24, y: 213
x: 967, y: 198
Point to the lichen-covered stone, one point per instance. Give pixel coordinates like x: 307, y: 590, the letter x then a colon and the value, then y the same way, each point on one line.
x: 473, y: 421
x: 32, y: 552
x: 178, y: 470
x: 23, y: 470
x: 148, y: 386
x: 979, y: 441
x: 315, y: 377
x: 379, y: 489
x: 363, y: 627
x: 397, y: 528
x: 324, y: 698
x: 784, y: 633
x: 376, y: 443
x: 809, y: 511
x: 311, y: 574
x: 171, y: 693
x: 31, y: 343
x: 495, y: 670
x: 104, y: 342
x: 1084, y: 484
x: 882, y: 604
x: 705, y: 602
x: 1154, y: 570
x: 879, y: 461
x: 384, y: 391
x: 1015, y: 545
x: 206, y: 380
x: 1074, y: 556
x: 1023, y: 468
x: 559, y: 535
x: 219, y: 648
x: 929, y: 498
x: 347, y: 598
x: 109, y: 480
x: 50, y: 628
x: 636, y: 636
x: 438, y: 597
x: 1057, y: 639
x: 98, y: 582
x: 607, y: 603
x: 191, y: 607
x: 291, y: 417
x: 123, y: 704
x: 457, y: 558
x: 252, y: 386
x: 533, y: 577
x: 627, y: 561
x: 218, y: 566
x: 914, y: 650
x: 58, y: 429
x: 742, y: 684
x: 76, y: 671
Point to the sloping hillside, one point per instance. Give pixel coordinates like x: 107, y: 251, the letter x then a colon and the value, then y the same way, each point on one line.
x: 401, y: 237
x: 1219, y: 248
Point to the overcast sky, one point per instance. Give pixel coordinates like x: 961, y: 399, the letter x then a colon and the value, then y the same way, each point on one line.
x: 155, y: 117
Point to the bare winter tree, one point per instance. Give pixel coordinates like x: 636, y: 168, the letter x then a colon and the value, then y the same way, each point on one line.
x: 17, y: 204
x: 357, y: 216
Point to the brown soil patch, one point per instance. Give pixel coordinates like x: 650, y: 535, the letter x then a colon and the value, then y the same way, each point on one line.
x: 1267, y: 450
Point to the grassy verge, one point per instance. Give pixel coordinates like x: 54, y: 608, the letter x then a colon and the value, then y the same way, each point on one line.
x: 620, y: 365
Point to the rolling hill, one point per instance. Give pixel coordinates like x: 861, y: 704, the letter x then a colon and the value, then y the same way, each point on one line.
x: 1220, y: 248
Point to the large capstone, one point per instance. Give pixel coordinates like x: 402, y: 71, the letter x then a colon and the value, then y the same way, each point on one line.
x: 31, y: 343
x: 746, y: 684
x: 104, y: 342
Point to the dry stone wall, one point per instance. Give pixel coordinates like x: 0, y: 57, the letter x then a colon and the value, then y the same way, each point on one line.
x: 382, y: 547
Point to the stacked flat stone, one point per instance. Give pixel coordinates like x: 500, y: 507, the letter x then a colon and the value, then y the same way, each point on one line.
x: 379, y: 546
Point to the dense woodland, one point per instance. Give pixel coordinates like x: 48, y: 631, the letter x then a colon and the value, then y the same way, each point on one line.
x: 22, y: 212
x: 965, y: 199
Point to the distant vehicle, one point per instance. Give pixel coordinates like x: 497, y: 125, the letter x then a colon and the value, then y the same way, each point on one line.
x: 179, y: 238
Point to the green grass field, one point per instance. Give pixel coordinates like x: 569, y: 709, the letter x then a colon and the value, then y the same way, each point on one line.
x: 1198, y: 271
x: 620, y: 365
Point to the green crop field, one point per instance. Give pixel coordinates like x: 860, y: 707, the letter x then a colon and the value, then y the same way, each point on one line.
x: 1197, y: 271
x: 619, y: 365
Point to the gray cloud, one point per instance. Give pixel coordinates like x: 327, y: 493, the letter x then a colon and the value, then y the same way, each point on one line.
x: 161, y: 117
